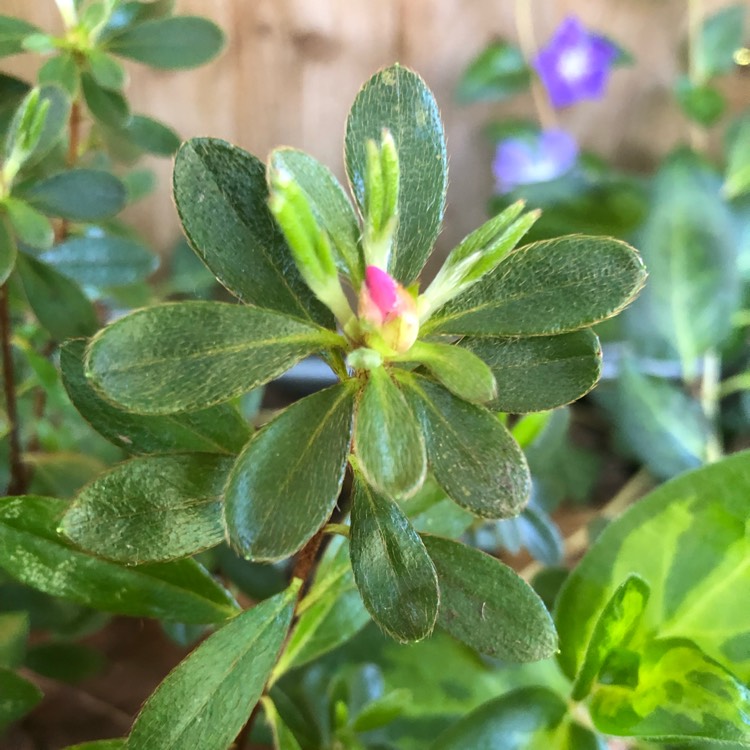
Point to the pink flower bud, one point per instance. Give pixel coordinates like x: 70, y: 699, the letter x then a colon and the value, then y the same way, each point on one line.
x: 383, y: 289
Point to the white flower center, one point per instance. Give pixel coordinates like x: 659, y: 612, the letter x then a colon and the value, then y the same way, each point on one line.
x: 573, y: 63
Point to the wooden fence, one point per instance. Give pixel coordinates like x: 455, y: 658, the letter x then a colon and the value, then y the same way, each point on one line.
x: 292, y: 68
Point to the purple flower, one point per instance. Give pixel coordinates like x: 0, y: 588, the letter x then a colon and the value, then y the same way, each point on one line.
x: 575, y: 64
x: 524, y: 161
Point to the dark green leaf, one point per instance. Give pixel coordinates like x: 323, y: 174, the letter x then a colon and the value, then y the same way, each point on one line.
x: 31, y: 227
x: 105, y: 70
x: 14, y: 632
x: 17, y: 695
x: 151, y: 509
x: 58, y: 303
x: 688, y: 540
x: 219, y: 429
x: 520, y: 720
x: 393, y: 572
x: 152, y: 136
x: 388, y: 439
x: 131, y: 12
x: 285, y: 483
x: 488, y: 606
x: 431, y: 511
x: 65, y: 662
x: 737, y: 177
x: 541, y: 372
x: 204, y: 702
x: 396, y: 98
x: 102, y: 260
x: 156, y: 360
x: 546, y: 288
x: 107, y: 106
x: 329, y: 203
x: 472, y: 455
x: 32, y: 551
x: 719, y: 38
x: 170, y: 43
x: 382, y: 711
x: 330, y: 614
x: 118, y: 744
x: 8, y: 250
x: 613, y: 629
x: 460, y: 371
x: 78, y: 195
x: 222, y: 198
x: 12, y: 93
x: 12, y: 33
x: 62, y: 71
x: 497, y: 73
x: 680, y: 693
x: 702, y: 103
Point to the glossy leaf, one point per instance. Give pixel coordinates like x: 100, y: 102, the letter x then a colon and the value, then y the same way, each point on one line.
x: 497, y: 73
x: 191, y: 355
x: 472, y: 455
x: 393, y: 572
x: 205, y: 701
x: 33, y: 552
x: 285, y: 483
x: 613, y: 629
x: 548, y: 287
x: 687, y: 540
x: 460, y: 371
x: 169, y: 43
x: 151, y: 509
x: 524, y: 719
x: 14, y: 632
x: 487, y: 606
x: 78, y: 195
x: 388, y: 439
x: 330, y: 614
x: 58, y: 303
x: 222, y: 198
x: 330, y: 204
x: 219, y: 429
x: 396, y: 98
x: 107, y: 106
x: 8, y: 250
x: 12, y: 33
x: 102, y: 260
x: 17, y: 695
x: 152, y: 136
x: 540, y: 372
x: 31, y: 227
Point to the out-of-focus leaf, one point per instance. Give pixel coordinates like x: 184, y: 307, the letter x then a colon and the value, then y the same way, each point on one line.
x: 17, y: 697
x: 497, y: 73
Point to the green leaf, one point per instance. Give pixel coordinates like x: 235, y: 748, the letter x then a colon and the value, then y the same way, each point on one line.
x: 131, y: 12
x: 680, y: 693
x: 17, y: 695
x: 689, y: 244
x: 431, y: 511
x: 62, y: 474
x: 33, y: 552
x: 541, y: 372
x: 12, y: 93
x: 107, y: 106
x: 688, y: 540
x: 151, y: 509
x: 396, y: 98
x: 222, y: 198
x: 204, y: 702
x: 12, y: 33
x: 720, y: 36
x: 117, y: 744
x: 31, y: 227
x: 219, y: 429
x: 155, y: 361
x: 737, y: 177
x: 61, y: 71
x: 170, y: 43
x: 152, y: 136
x: 105, y: 70
x: 283, y: 739
x: 462, y: 372
x: 497, y: 73
x: 299, y: 459
x: 58, y: 303
x: 613, y: 629
x: 14, y: 632
x: 329, y: 203
x: 78, y: 195
x: 8, y: 251
x: 330, y: 614
x: 701, y: 103
x: 382, y: 711
x: 388, y: 440
x: 487, y: 606
x: 472, y: 455
x: 524, y: 719
x: 65, y: 662
x: 393, y: 572
x: 547, y: 287
x: 102, y: 260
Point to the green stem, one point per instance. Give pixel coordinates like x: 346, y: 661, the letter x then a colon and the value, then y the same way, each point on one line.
x: 336, y: 528
x: 709, y: 397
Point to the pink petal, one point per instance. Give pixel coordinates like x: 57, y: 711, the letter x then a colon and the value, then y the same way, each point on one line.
x: 383, y: 289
